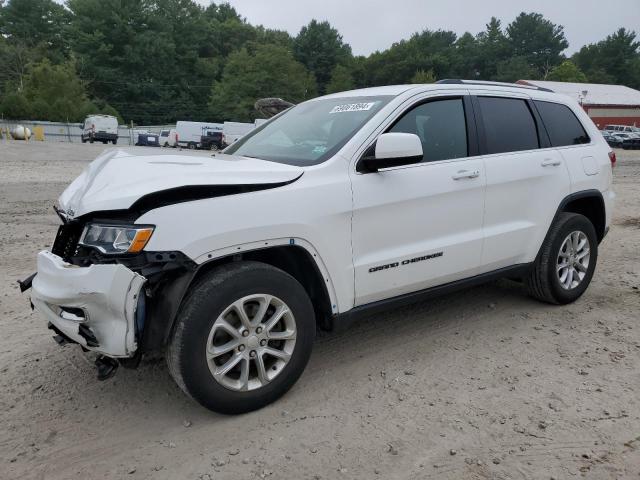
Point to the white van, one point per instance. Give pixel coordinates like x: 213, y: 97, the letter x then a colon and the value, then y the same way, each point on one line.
x: 189, y: 133
x: 169, y: 138
x: 233, y: 131
x: 100, y: 128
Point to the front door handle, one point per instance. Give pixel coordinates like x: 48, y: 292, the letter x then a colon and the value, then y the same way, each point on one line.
x: 466, y: 174
x: 550, y: 162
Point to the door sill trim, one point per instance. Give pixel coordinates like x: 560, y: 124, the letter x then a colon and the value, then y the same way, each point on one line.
x: 343, y: 319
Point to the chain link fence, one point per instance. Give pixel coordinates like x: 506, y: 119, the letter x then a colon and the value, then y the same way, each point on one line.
x: 71, y: 132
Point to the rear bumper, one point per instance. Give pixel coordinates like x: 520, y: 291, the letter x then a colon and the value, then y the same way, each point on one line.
x: 94, y: 306
x: 103, y: 136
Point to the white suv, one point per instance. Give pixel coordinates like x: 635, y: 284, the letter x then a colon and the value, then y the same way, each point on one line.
x: 339, y: 206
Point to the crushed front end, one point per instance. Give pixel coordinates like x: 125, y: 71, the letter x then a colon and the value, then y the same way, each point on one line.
x: 102, y: 300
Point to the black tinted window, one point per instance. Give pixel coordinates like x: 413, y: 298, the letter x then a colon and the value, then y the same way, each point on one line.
x: 441, y: 127
x: 562, y: 125
x: 508, y: 125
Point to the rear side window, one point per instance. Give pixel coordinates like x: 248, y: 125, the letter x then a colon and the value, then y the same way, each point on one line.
x: 441, y: 126
x: 562, y: 125
x: 508, y: 124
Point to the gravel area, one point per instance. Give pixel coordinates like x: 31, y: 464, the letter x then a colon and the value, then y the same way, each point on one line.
x: 485, y: 383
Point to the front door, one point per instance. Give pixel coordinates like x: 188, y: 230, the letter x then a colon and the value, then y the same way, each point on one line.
x: 420, y: 225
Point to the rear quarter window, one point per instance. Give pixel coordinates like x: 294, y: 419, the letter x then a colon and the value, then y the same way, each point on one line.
x: 561, y: 124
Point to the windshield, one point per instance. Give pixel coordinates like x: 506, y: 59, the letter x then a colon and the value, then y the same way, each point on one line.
x: 310, y: 133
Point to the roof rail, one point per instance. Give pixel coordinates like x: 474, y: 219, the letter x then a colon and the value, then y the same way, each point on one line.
x: 457, y: 81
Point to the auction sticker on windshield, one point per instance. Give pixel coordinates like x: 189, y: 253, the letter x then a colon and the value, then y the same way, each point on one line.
x: 353, y: 107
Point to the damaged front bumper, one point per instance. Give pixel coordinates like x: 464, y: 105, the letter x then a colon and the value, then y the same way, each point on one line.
x: 94, y: 306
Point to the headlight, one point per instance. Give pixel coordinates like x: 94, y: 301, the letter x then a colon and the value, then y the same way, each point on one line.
x: 111, y: 239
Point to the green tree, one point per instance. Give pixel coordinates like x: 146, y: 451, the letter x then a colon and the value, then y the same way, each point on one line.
x: 14, y: 106
x: 422, y: 76
x: 320, y: 48
x: 154, y: 60
x: 428, y: 50
x: 35, y: 23
x: 492, y: 48
x: 612, y: 60
x: 514, y: 69
x: 466, y: 57
x: 567, y: 71
x: 50, y: 92
x: 266, y: 71
x: 341, y: 80
x: 15, y: 59
x: 55, y: 92
x: 538, y: 40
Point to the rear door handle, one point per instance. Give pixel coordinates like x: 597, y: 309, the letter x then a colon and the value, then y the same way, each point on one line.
x: 550, y: 162
x: 466, y: 174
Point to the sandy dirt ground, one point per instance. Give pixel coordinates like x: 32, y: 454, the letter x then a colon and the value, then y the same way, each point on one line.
x: 486, y: 383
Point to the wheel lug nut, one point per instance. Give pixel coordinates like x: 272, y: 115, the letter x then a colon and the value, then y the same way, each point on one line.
x: 263, y: 342
x: 245, y: 333
x: 252, y: 353
x: 241, y: 348
x: 259, y: 330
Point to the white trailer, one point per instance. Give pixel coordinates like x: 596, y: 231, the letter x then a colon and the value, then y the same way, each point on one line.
x: 233, y: 131
x: 189, y: 134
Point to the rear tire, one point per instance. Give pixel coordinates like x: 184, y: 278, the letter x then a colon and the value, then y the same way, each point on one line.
x: 566, y: 262
x: 210, y: 309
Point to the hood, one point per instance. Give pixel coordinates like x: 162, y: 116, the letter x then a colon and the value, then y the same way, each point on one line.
x: 118, y: 178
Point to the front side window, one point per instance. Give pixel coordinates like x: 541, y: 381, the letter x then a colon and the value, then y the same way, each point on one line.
x: 309, y: 133
x: 562, y: 125
x: 441, y: 126
x: 508, y: 124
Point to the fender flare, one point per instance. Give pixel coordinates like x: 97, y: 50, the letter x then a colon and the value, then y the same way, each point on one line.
x: 202, y: 259
x: 591, y: 193
x: 163, y: 312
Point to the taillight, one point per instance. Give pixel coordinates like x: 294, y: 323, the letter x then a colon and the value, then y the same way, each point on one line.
x: 612, y: 158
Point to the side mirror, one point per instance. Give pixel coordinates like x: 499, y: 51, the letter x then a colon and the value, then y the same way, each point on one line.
x: 392, y: 150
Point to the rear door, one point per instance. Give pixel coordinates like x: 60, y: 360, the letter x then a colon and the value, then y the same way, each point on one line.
x: 526, y: 179
x: 420, y: 225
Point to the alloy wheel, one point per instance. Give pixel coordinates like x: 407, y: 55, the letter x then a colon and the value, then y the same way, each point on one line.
x: 251, y: 342
x: 573, y: 260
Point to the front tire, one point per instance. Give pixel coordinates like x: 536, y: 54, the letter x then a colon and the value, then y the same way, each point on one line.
x: 565, y: 265
x: 242, y: 338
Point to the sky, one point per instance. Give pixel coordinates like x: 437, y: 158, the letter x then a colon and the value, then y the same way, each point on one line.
x: 370, y: 25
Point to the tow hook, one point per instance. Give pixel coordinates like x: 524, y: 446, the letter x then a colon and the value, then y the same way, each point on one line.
x: 106, y: 366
